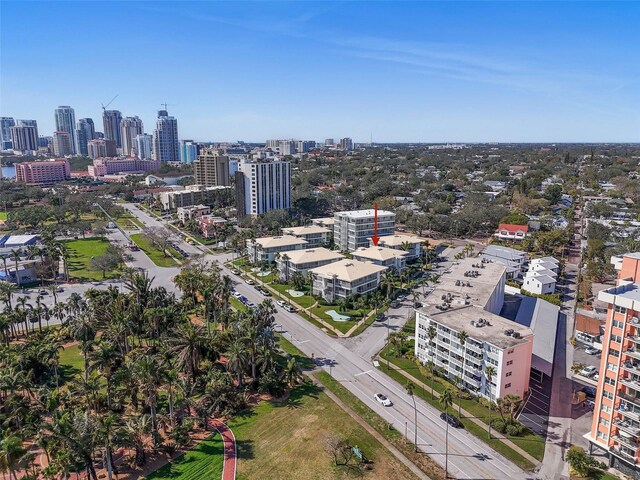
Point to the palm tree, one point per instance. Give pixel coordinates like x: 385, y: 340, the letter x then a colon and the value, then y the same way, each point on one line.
x: 489, y: 372
x: 237, y: 359
x: 4, y: 257
x: 388, y: 280
x: 462, y: 338
x: 15, y: 256
x: 103, y: 359
x: 11, y: 453
x: 135, y: 432
x: 82, y: 329
x: 446, y: 399
x: 285, y: 262
x: 410, y: 387
x: 292, y: 372
x: 188, y: 343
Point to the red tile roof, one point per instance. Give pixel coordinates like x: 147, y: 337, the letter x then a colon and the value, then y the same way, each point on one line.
x: 513, y: 228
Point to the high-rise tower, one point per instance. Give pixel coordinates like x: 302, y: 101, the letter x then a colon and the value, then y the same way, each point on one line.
x: 66, y: 122
x: 165, y: 138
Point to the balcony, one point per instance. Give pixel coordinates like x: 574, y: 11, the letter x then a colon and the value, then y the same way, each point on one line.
x: 633, y: 338
x: 633, y: 367
x: 627, y: 426
x: 626, y: 441
x: 633, y: 352
x: 630, y: 382
x: 629, y: 398
x: 629, y: 413
x: 474, y: 348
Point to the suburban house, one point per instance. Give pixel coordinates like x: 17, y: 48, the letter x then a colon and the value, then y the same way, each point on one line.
x: 265, y: 249
x: 385, y: 257
x: 507, y: 231
x: 301, y: 261
x: 316, y: 236
x: 410, y: 244
x: 344, y: 278
x: 539, y: 283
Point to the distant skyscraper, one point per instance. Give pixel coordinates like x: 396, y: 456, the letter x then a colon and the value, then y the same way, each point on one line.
x: 303, y: 146
x: 111, y: 120
x: 66, y: 122
x: 144, y: 148
x: 130, y: 128
x: 188, y: 151
x: 5, y: 133
x: 329, y: 142
x: 211, y: 169
x: 44, y: 142
x: 24, y: 136
x: 262, y: 186
x: 165, y: 138
x: 85, y: 132
x: 61, y: 143
x: 101, y: 147
x: 287, y: 147
x: 346, y: 144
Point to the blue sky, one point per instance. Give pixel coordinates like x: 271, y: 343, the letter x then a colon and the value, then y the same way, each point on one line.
x: 418, y: 71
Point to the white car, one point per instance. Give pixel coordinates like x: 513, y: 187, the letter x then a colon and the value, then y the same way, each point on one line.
x: 382, y: 400
x: 249, y: 281
x: 236, y: 294
x: 280, y: 303
x: 596, y: 377
x: 592, y: 351
x: 589, y: 371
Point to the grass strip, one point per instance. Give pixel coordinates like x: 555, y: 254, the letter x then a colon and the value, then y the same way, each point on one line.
x: 203, y: 461
x: 153, y: 253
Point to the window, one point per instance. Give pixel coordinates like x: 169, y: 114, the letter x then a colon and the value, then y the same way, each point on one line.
x: 602, y: 435
x: 604, y: 421
x: 508, y: 374
x: 510, y: 362
x: 606, y: 408
x: 611, y: 367
x: 608, y: 395
x: 619, y: 309
x: 609, y: 381
x: 509, y: 352
x: 508, y: 385
x: 616, y: 338
x: 614, y: 353
x: 617, y: 323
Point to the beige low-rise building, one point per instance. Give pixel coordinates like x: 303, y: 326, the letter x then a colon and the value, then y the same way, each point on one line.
x: 265, y: 249
x: 316, y: 236
x: 192, y: 213
x: 411, y: 244
x: 327, y: 222
x: 385, y: 257
x: 301, y: 261
x: 344, y: 278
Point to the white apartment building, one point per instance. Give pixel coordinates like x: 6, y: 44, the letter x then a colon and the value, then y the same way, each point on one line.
x: 511, y: 258
x: 385, y: 257
x: 353, y: 229
x: 301, y: 261
x: 469, y: 299
x: 192, y: 213
x: 262, y: 186
x: 542, y: 276
x: 265, y: 249
x: 314, y: 235
x: 411, y: 244
x: 344, y: 278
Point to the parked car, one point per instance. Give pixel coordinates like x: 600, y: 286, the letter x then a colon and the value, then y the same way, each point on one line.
x: 280, y: 303
x: 290, y: 308
x: 417, y: 304
x: 589, y: 371
x: 380, y: 317
x: 451, y: 420
x: 589, y: 391
x: 249, y: 281
x: 43, y: 292
x: 235, y: 271
x: 382, y: 400
x: 592, y: 351
x: 236, y: 294
x: 395, y: 304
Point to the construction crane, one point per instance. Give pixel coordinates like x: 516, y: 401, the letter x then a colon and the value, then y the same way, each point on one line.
x: 166, y: 104
x: 104, y: 107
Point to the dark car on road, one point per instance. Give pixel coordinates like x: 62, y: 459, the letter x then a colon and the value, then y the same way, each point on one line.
x: 451, y: 420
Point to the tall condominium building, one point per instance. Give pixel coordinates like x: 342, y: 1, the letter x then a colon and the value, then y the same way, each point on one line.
x: 616, y: 417
x: 346, y: 144
x: 5, y: 132
x: 144, y: 146
x: 111, y: 121
x: 165, y: 138
x: 130, y: 128
x: 211, y: 168
x: 188, y: 151
x: 472, y: 306
x: 45, y: 141
x: 43, y: 173
x: 303, y: 146
x: 329, y: 142
x: 62, y: 144
x: 287, y: 147
x: 24, y: 136
x: 353, y: 229
x: 262, y: 186
x: 85, y: 132
x: 66, y: 122
x: 101, y: 148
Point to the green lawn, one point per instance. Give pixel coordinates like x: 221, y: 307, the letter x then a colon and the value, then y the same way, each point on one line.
x: 344, y: 327
x: 531, y: 443
x: 128, y: 222
x: 280, y: 441
x: 202, y: 462
x: 305, y: 301
x: 3, y: 215
x: 237, y: 304
x: 71, y: 363
x: 80, y: 253
x: 153, y: 253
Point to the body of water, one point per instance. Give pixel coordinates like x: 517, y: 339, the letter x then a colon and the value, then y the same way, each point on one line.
x: 9, y: 172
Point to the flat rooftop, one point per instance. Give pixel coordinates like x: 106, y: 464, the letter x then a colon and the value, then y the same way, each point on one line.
x: 348, y: 270
x: 282, y: 241
x: 504, y: 252
x: 397, y: 240
x: 459, y: 318
x: 626, y: 295
x: 309, y: 255
x: 379, y: 253
x: 324, y: 220
x: 478, y: 289
x: 364, y: 213
x: 306, y: 230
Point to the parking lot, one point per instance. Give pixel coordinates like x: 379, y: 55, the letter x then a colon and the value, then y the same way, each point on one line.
x: 535, y: 412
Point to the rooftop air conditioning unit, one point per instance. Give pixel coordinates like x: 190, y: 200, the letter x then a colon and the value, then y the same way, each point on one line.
x: 516, y: 334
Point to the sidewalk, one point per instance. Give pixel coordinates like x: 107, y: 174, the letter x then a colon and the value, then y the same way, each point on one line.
x: 464, y: 413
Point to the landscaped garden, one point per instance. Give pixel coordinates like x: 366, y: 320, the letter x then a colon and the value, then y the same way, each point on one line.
x: 81, y: 252
x: 204, y: 461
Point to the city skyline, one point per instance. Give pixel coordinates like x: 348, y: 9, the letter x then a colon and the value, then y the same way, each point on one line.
x: 418, y: 72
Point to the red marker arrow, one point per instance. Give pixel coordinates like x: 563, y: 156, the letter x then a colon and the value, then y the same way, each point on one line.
x: 375, y: 237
